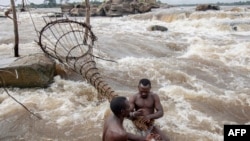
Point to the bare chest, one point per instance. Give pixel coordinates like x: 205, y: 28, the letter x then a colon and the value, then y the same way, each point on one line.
x: 144, y: 103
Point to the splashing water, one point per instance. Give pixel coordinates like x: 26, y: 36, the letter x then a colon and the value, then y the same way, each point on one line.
x: 199, y: 68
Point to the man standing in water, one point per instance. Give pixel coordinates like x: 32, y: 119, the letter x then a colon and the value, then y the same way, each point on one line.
x: 113, y: 127
x: 146, y: 107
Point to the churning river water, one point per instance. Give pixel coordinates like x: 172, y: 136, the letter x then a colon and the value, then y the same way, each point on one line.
x: 200, y: 69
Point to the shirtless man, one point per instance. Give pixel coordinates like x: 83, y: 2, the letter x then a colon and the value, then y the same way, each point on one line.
x: 113, y: 127
x: 146, y: 107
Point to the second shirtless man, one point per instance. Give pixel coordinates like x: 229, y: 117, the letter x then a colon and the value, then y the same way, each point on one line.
x: 145, y: 107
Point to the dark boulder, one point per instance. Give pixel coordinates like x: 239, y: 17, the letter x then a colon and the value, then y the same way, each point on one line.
x: 157, y: 28
x: 204, y: 7
x: 111, y: 8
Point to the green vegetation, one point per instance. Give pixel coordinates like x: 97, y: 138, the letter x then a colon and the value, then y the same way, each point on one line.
x: 52, y: 3
x: 235, y: 3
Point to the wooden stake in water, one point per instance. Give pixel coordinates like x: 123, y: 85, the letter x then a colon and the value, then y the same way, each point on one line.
x: 16, y: 54
x: 87, y: 18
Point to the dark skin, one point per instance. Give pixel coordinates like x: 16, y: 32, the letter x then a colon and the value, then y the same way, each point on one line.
x: 147, y: 104
x: 114, y: 131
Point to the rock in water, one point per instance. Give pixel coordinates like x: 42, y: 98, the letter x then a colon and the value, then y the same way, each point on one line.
x: 36, y: 70
x: 157, y: 28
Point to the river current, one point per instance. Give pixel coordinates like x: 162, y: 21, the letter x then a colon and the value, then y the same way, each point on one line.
x: 200, y: 68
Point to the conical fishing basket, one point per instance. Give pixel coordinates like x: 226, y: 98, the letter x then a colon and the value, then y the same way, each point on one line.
x: 71, y: 43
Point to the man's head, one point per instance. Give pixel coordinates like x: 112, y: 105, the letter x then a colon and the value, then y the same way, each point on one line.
x: 144, y: 87
x: 119, y: 105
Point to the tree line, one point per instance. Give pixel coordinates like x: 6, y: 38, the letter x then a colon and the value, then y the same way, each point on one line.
x: 53, y: 3
x: 235, y: 3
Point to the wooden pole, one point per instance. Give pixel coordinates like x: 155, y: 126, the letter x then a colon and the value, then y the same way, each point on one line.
x: 16, y: 54
x: 87, y: 15
x: 23, y: 8
x: 87, y: 12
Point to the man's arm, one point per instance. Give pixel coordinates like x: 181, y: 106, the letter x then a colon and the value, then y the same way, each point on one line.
x: 132, y: 102
x: 114, y: 136
x: 149, y: 137
x: 132, y: 107
x: 134, y: 113
x: 158, y: 106
x: 133, y: 137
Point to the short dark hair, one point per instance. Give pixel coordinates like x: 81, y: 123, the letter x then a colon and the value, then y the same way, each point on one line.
x: 117, y: 104
x: 145, y: 82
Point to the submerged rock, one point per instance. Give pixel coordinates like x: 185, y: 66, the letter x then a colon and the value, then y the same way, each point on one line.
x: 157, y: 28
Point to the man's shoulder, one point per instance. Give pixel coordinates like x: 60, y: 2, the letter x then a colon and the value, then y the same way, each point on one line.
x: 154, y: 95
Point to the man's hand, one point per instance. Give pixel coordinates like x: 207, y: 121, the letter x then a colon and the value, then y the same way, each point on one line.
x: 146, y: 119
x: 138, y: 113
x: 141, y: 112
x: 153, y: 137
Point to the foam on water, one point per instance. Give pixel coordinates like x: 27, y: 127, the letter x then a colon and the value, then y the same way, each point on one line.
x: 199, y: 68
